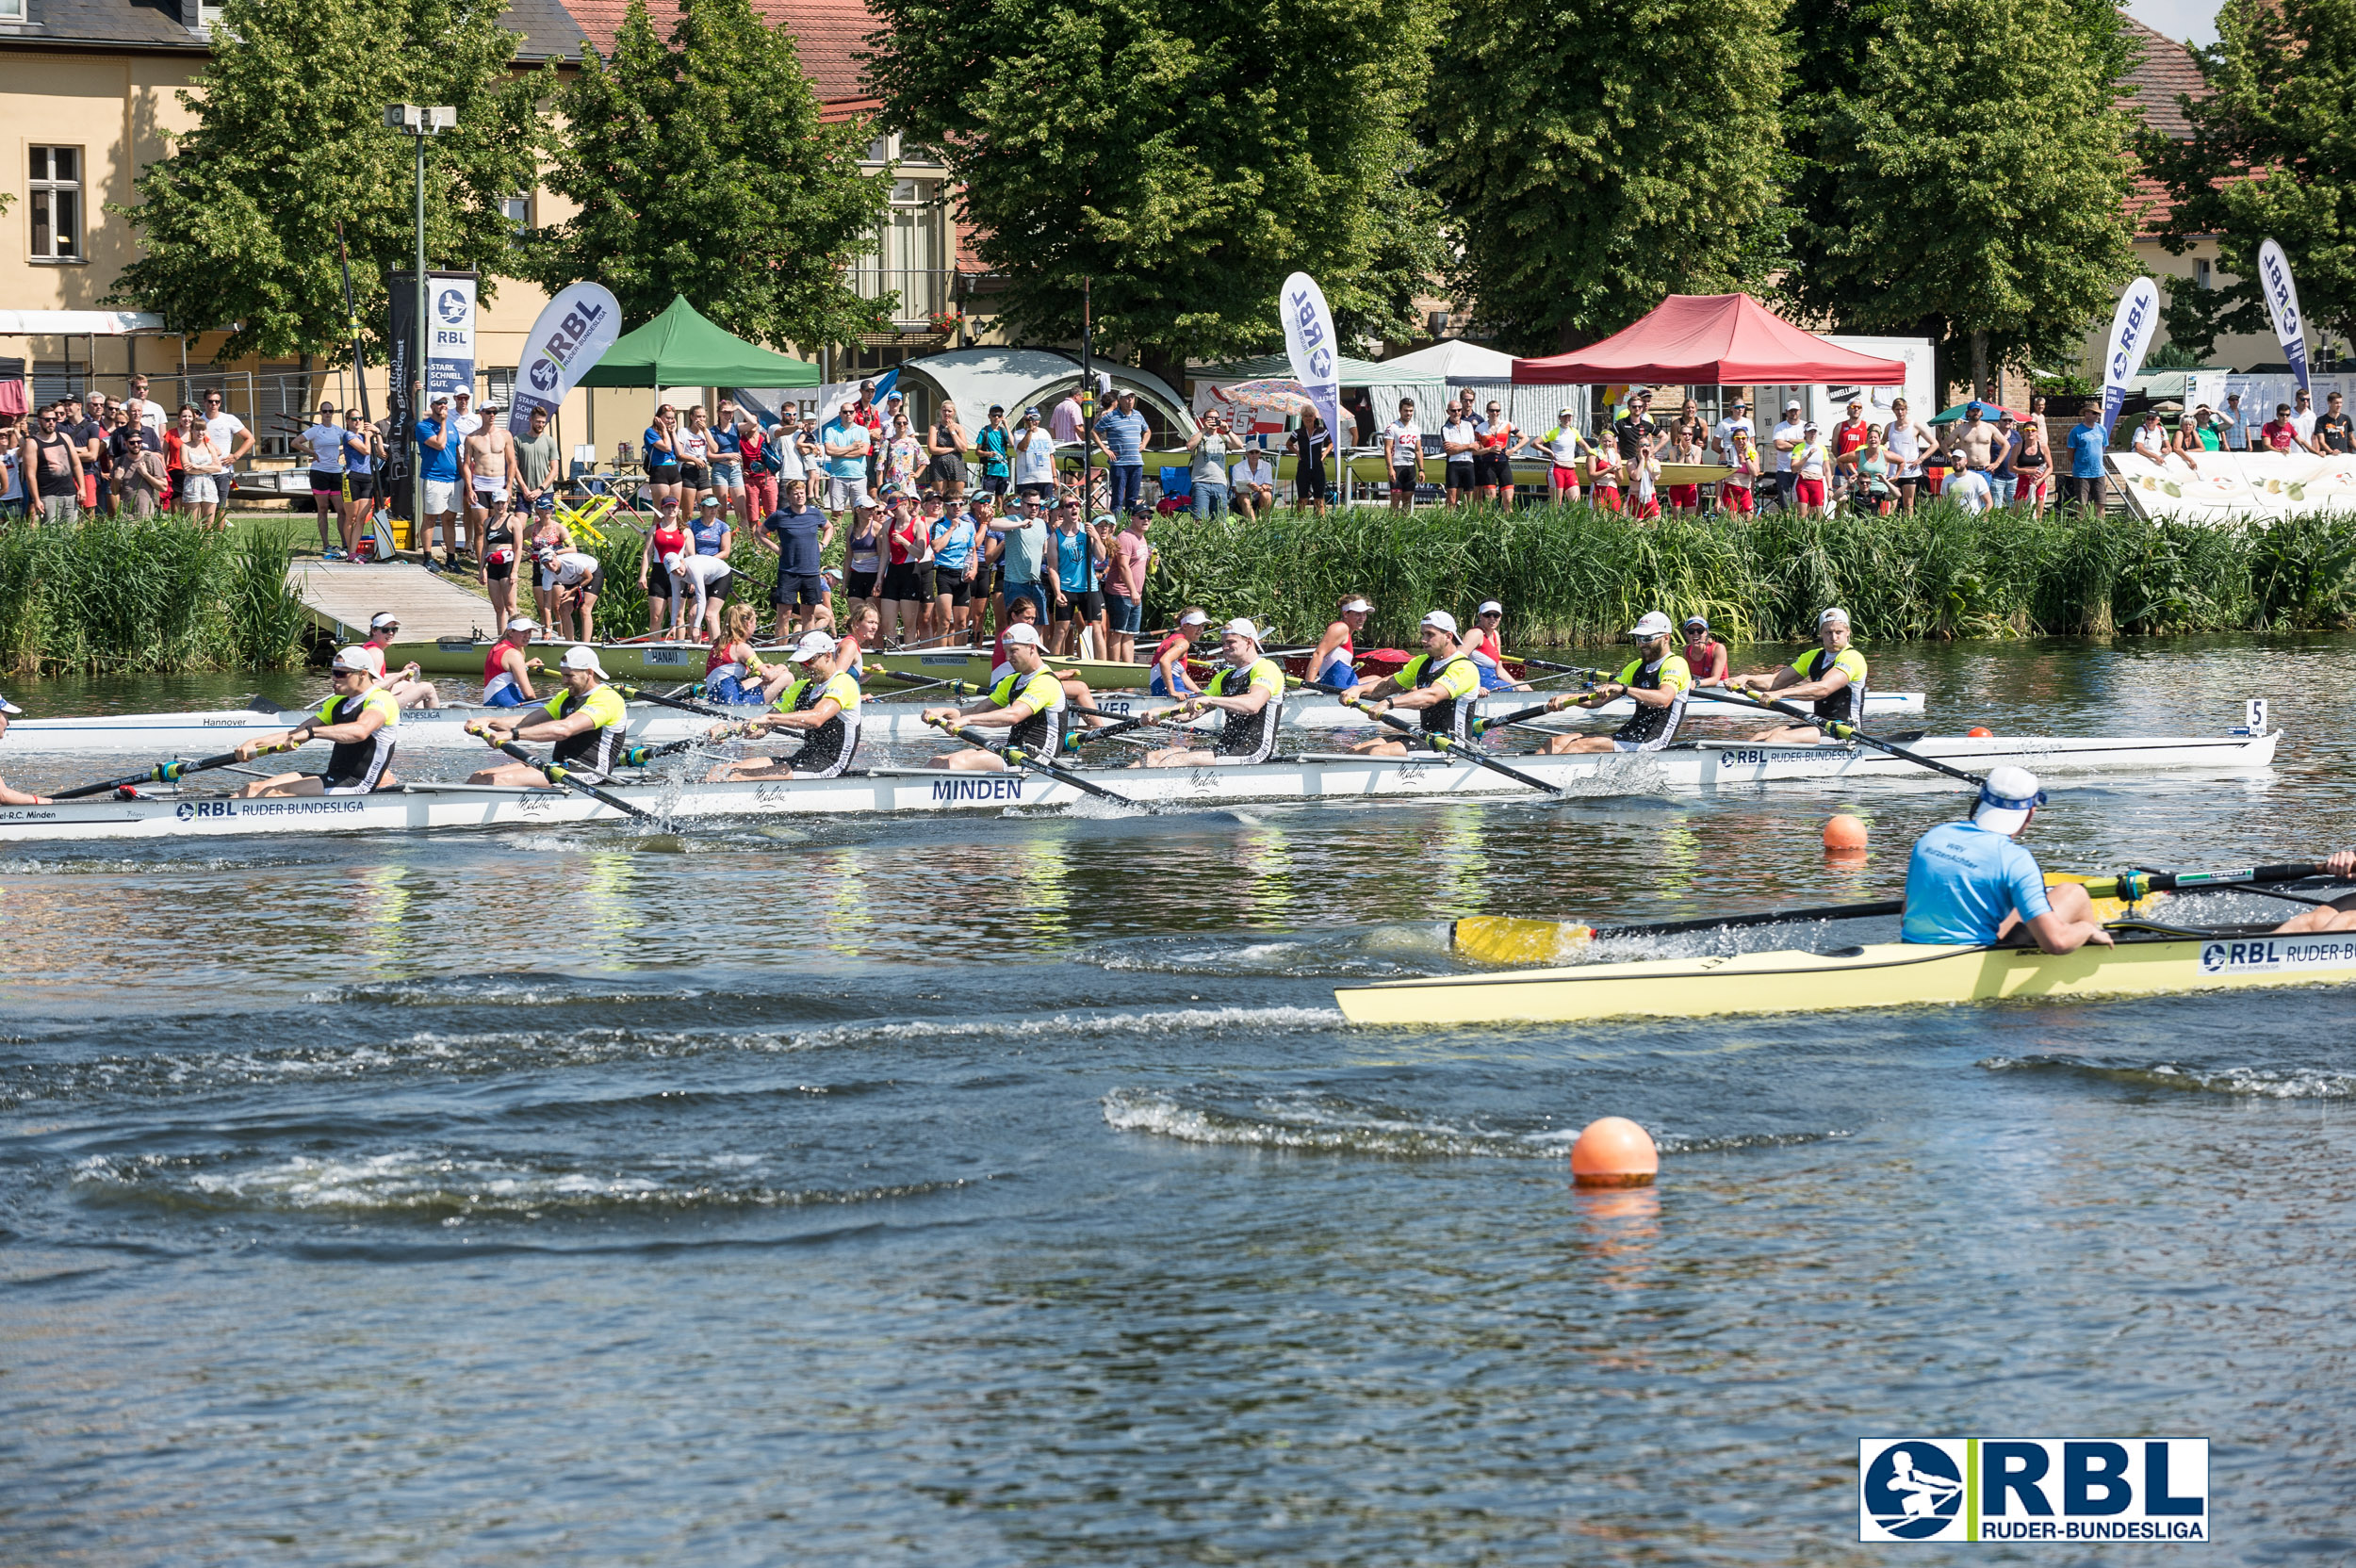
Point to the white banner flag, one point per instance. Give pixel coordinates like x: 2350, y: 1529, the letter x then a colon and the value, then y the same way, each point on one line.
x: 2290, y: 328
x: 2132, y: 326
x: 1309, y: 339
x: 571, y: 334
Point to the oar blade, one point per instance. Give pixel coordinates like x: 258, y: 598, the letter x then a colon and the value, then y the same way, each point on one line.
x: 1508, y: 940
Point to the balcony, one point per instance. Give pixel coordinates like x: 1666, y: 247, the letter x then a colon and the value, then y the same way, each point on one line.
x: 924, y: 293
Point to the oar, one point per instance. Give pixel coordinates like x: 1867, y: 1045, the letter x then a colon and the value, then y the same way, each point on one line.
x: 1840, y: 732
x: 638, y: 757
x: 1022, y: 758
x: 639, y: 693
x: 162, y: 773
x: 1479, y: 758
x: 1121, y: 727
x: 556, y: 772
x: 1567, y: 669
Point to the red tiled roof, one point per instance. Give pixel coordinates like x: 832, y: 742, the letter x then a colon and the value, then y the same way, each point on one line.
x: 828, y: 34
x: 2165, y: 73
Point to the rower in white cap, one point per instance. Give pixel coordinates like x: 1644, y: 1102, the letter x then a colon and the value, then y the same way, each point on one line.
x: 360, y: 720
x: 506, y: 670
x: 1028, y: 703
x: 1441, y: 683
x: 1249, y: 691
x: 1335, y: 665
x: 820, y: 704
x: 1656, y: 680
x: 1968, y: 883
x: 406, y: 685
x: 587, y: 724
x: 1830, y: 676
x: 1170, y: 678
x: 8, y: 796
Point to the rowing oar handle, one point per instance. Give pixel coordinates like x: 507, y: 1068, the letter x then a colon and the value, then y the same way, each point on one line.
x: 2133, y: 886
x: 638, y: 694
x: 165, y: 773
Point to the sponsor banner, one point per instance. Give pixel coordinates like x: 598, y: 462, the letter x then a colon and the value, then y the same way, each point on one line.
x: 1309, y: 340
x: 2225, y: 487
x: 448, y: 336
x: 2065, y: 1489
x: 2282, y: 294
x: 2132, y: 326
x: 571, y: 334
x: 2278, y: 954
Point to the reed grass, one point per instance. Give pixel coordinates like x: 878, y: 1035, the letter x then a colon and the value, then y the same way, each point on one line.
x: 115, y: 596
x: 1571, y: 574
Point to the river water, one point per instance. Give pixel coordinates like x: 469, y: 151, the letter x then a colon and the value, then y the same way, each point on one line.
x: 1008, y: 1190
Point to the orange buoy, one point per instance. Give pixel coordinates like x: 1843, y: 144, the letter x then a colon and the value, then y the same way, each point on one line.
x: 1845, y: 832
x: 1980, y: 732
x: 1614, y: 1152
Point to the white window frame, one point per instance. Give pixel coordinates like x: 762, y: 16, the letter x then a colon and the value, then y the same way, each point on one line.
x: 507, y: 210
x: 50, y: 187
x: 14, y: 11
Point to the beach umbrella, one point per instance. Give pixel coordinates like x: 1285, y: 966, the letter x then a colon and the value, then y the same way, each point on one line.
x: 1991, y: 412
x: 1265, y: 397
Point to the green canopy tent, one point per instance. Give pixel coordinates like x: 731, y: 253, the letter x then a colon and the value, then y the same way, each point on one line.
x: 680, y: 347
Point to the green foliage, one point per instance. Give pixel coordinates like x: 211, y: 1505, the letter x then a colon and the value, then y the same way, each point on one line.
x: 2282, y: 93
x: 1965, y: 165
x: 1572, y: 575
x: 100, y: 596
x: 1186, y: 155
x: 1593, y: 158
x: 701, y: 168
x: 238, y: 225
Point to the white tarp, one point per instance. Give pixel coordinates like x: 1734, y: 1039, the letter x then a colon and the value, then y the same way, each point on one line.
x: 78, y: 323
x: 2221, y: 487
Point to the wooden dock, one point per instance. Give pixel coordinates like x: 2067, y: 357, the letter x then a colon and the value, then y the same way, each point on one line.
x: 343, y: 596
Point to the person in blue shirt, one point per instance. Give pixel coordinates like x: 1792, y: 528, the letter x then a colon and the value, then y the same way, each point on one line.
x: 798, y: 532
x: 1969, y: 885
x: 438, y: 478
x: 953, y: 534
x: 1120, y: 436
x: 2087, y: 442
x: 1080, y: 555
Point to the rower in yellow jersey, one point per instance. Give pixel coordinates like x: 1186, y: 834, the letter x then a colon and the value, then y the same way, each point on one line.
x: 1656, y: 680
x: 1830, y: 676
x: 361, y: 720
x: 820, y: 704
x: 1249, y: 691
x: 1028, y: 703
x: 1441, y: 683
x: 588, y: 721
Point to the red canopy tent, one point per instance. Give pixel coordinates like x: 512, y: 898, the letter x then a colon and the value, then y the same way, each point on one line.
x: 1711, y: 340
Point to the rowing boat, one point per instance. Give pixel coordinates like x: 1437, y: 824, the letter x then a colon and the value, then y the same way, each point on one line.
x: 1310, y: 777
x: 882, y: 720
x: 1881, y: 974
x: 653, y: 659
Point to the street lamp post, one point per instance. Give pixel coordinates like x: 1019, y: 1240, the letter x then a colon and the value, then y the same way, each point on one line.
x: 419, y: 121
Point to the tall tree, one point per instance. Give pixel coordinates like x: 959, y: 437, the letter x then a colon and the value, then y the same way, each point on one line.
x: 701, y: 168
x: 1965, y: 173
x: 1593, y: 158
x: 1186, y: 155
x: 2270, y: 156
x: 237, y: 226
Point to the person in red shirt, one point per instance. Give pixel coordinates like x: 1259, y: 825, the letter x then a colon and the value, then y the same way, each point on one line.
x: 1847, y: 437
x: 2279, y: 433
x: 1703, y: 654
x: 1493, y: 463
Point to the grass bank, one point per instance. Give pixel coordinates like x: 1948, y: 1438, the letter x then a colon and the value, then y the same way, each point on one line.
x: 103, y: 596
x: 1572, y: 575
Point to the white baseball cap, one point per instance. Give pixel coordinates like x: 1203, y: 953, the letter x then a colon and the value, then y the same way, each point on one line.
x: 1241, y: 627
x: 1020, y: 635
x: 2006, y: 798
x: 670, y: 561
x: 1830, y: 616
x: 8, y: 706
x: 1490, y: 607
x: 1653, y: 625
x: 1442, y: 620
x: 354, y: 658
x: 815, y: 644
x: 522, y: 623
x: 1194, y: 618
x: 1356, y: 606
x: 582, y: 657
x: 382, y: 619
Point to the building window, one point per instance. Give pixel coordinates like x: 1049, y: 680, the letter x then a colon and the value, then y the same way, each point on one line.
x: 56, y: 204
x: 208, y: 14
x: 518, y: 209
x: 498, y: 386
x: 11, y: 10
x: 2201, y: 277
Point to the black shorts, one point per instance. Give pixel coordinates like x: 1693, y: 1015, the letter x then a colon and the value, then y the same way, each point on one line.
x: 901, y: 582
x: 363, y: 486
x: 796, y: 589
x: 498, y: 571
x: 1460, y: 474
x: 1308, y: 483
x: 861, y: 585
x: 1086, y: 607
x: 659, y: 585
x: 953, y: 585
x: 985, y: 582
x: 695, y: 476
x: 1491, y: 468
x: 720, y: 589
x: 996, y: 484
x: 947, y: 469
x: 662, y: 473
x: 595, y: 586
x: 1406, y: 478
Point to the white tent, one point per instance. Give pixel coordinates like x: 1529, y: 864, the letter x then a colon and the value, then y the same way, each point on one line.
x: 1460, y: 364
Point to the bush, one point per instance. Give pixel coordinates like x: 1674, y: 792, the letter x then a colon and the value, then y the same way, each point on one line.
x: 115, y: 596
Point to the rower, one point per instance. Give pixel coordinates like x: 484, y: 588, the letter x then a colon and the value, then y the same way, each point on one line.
x: 1487, y: 648
x: 820, y: 704
x: 361, y: 720
x: 8, y: 796
x: 1249, y: 690
x: 1335, y: 665
x: 1703, y: 655
x: 2338, y: 915
x: 575, y: 580
x: 1656, y: 680
x: 587, y: 721
x: 506, y: 672
x: 1171, y: 678
x: 1078, y: 699
x: 1830, y: 676
x: 1029, y: 704
x: 407, y: 687
x: 1969, y: 885
x: 1441, y: 683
